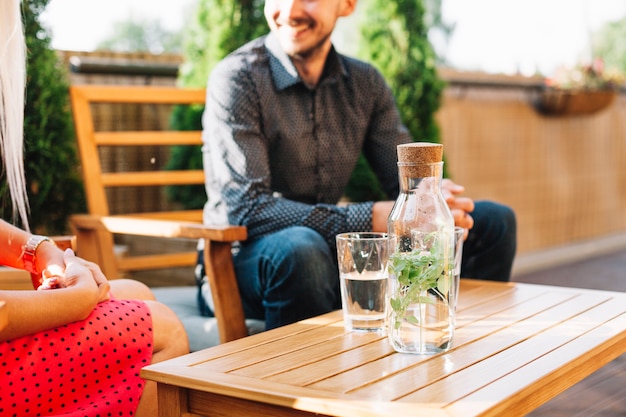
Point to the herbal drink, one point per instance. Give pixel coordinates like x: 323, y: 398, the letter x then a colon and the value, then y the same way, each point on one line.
x: 363, y: 300
x: 362, y: 260
x: 422, y: 295
x: 422, y: 288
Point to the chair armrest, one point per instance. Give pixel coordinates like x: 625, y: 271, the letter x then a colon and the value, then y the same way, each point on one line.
x: 142, y: 226
x: 217, y: 257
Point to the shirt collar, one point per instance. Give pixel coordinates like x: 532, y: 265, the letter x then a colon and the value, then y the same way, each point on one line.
x: 284, y: 73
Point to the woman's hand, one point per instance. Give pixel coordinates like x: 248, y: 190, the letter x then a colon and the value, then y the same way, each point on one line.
x: 80, y: 286
x: 78, y: 272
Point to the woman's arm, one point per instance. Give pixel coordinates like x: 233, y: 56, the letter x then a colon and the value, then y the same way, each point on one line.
x: 13, y: 242
x: 29, y: 312
x: 82, y: 285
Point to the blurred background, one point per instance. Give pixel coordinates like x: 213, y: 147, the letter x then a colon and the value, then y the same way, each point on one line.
x: 495, y: 36
x: 528, y: 97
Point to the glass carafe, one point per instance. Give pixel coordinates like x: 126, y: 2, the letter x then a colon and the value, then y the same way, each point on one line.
x: 421, y: 266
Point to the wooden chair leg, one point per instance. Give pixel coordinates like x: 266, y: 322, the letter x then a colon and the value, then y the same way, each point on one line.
x: 218, y: 263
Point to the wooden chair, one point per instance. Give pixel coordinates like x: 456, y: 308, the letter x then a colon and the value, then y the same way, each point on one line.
x: 96, y: 230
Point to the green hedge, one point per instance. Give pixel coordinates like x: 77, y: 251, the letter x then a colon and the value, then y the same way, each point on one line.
x: 51, y: 166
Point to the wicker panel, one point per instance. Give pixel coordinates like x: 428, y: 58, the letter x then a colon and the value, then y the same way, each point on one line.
x: 564, y: 176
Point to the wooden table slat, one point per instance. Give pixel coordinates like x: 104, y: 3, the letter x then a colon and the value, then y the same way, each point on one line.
x: 529, y: 387
x: 516, y: 357
x: 250, y: 342
x: 275, y: 348
x: 314, y: 371
x: 356, y: 348
x: 513, y: 346
x: 395, y: 386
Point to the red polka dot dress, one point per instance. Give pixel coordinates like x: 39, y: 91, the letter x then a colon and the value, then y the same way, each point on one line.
x: 88, y: 368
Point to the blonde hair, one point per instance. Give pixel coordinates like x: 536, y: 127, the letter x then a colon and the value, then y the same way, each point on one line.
x: 12, y: 91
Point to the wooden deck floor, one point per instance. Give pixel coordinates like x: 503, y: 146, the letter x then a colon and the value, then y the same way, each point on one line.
x: 603, y: 393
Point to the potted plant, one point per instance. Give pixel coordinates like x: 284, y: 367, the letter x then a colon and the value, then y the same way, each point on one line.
x: 584, y: 89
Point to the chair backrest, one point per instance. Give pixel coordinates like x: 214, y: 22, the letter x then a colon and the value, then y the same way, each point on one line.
x: 124, y: 165
x: 123, y: 162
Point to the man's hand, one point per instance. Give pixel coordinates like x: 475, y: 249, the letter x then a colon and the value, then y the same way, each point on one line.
x: 459, y: 206
x: 380, y: 213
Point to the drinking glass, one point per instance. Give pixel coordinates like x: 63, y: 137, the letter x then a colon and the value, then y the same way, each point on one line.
x: 362, y: 259
x: 459, y: 234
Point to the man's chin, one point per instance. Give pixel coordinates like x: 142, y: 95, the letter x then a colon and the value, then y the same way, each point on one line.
x: 296, y: 48
x: 290, y: 47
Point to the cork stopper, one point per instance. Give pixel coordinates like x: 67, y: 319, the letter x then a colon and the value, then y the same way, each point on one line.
x: 420, y: 152
x: 413, y: 158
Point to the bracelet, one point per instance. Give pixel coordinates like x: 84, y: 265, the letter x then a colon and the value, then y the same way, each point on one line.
x: 29, y: 252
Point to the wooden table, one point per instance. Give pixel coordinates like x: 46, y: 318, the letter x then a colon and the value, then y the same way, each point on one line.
x: 516, y: 346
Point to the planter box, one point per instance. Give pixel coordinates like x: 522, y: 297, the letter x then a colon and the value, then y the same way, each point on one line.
x: 562, y: 103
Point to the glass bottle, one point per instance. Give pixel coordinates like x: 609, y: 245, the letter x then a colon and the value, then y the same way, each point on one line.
x: 421, y: 266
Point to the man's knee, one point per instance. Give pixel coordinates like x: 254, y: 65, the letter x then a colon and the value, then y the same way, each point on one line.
x: 304, y: 245
x: 494, y: 218
x: 304, y: 266
x: 489, y: 250
x: 305, y: 252
x: 300, y: 277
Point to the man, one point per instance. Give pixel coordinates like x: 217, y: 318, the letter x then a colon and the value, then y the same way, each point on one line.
x: 286, y: 119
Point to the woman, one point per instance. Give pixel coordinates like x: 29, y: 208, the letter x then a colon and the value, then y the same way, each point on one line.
x: 76, y: 346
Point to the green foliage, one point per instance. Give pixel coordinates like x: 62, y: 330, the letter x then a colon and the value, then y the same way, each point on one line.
x: 141, y: 36
x: 395, y: 40
x: 219, y: 27
x: 53, y: 183
x: 609, y: 44
x: 186, y: 157
x: 417, y: 272
x: 363, y: 185
x: 439, y: 31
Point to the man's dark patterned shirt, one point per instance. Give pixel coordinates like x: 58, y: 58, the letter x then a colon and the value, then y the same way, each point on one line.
x: 278, y: 154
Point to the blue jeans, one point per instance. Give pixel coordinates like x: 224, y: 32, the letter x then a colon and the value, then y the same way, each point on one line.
x: 287, y: 276
x: 489, y: 250
x: 292, y: 274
